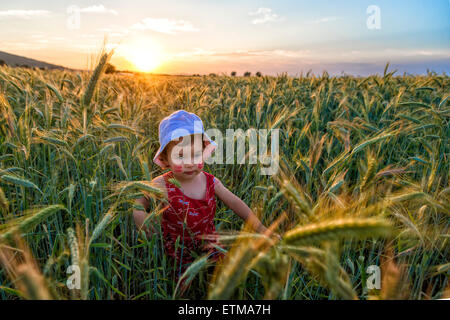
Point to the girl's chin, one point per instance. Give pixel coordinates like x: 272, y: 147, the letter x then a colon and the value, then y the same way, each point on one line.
x: 190, y: 173
x: 186, y: 173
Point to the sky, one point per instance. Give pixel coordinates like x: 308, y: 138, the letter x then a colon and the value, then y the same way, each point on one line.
x: 355, y: 37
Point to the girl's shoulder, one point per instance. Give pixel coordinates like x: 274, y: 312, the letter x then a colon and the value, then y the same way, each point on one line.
x: 212, y: 178
x: 208, y: 175
x: 159, y: 181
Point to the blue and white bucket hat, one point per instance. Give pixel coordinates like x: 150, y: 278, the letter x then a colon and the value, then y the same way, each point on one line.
x: 180, y: 124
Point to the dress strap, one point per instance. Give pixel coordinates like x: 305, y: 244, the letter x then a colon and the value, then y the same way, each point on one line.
x: 210, y: 179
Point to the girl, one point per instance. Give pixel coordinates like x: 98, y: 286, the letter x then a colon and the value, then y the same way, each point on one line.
x: 189, y: 191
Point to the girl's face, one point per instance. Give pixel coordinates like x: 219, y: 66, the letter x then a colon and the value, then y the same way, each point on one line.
x: 185, y: 158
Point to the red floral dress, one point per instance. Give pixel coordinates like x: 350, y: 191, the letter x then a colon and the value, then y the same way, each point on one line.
x: 190, y: 220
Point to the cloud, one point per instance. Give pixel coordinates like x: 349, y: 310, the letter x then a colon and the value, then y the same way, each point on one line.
x: 38, y: 35
x: 24, y: 14
x: 248, y: 53
x: 89, y: 36
x: 247, y: 56
x: 323, y: 20
x: 263, y: 15
x: 275, y: 62
x: 98, y: 9
x: 164, y: 25
x: 358, y: 62
x: 196, y: 52
x: 417, y: 53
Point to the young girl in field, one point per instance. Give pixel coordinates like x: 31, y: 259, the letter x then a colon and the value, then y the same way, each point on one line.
x: 190, y: 192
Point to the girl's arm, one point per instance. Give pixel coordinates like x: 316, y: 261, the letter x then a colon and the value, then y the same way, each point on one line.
x: 139, y: 216
x: 238, y: 206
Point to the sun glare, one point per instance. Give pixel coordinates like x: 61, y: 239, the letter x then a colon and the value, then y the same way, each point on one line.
x: 145, y: 55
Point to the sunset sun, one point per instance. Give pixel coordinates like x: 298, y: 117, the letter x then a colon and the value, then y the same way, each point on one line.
x: 144, y: 55
x: 144, y: 61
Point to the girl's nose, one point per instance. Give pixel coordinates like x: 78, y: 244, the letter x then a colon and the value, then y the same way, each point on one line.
x: 189, y: 164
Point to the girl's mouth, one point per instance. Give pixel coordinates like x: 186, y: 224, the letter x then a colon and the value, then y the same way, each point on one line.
x: 189, y: 172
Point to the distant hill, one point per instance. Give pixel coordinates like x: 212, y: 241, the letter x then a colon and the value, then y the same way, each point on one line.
x: 19, y: 61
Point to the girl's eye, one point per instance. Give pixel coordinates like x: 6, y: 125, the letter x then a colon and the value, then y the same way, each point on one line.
x: 177, y: 157
x: 195, y: 156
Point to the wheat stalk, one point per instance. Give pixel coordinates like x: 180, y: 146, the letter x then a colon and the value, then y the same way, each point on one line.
x: 31, y: 221
x: 338, y: 229
x: 95, y: 77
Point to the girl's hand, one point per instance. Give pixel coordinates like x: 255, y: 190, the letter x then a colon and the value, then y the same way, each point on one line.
x: 278, y: 236
x: 275, y: 235
x: 272, y: 234
x: 241, y: 209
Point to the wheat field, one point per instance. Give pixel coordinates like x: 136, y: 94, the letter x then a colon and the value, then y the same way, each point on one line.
x: 363, y: 183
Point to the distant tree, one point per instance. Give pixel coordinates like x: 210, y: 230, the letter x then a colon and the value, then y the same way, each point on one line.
x: 110, y: 68
x: 2, y: 63
x: 247, y: 74
x: 213, y: 75
x: 233, y: 73
x: 258, y: 74
x: 25, y: 66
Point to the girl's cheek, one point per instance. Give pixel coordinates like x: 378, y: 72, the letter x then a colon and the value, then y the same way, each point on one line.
x: 178, y: 169
x: 200, y: 166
